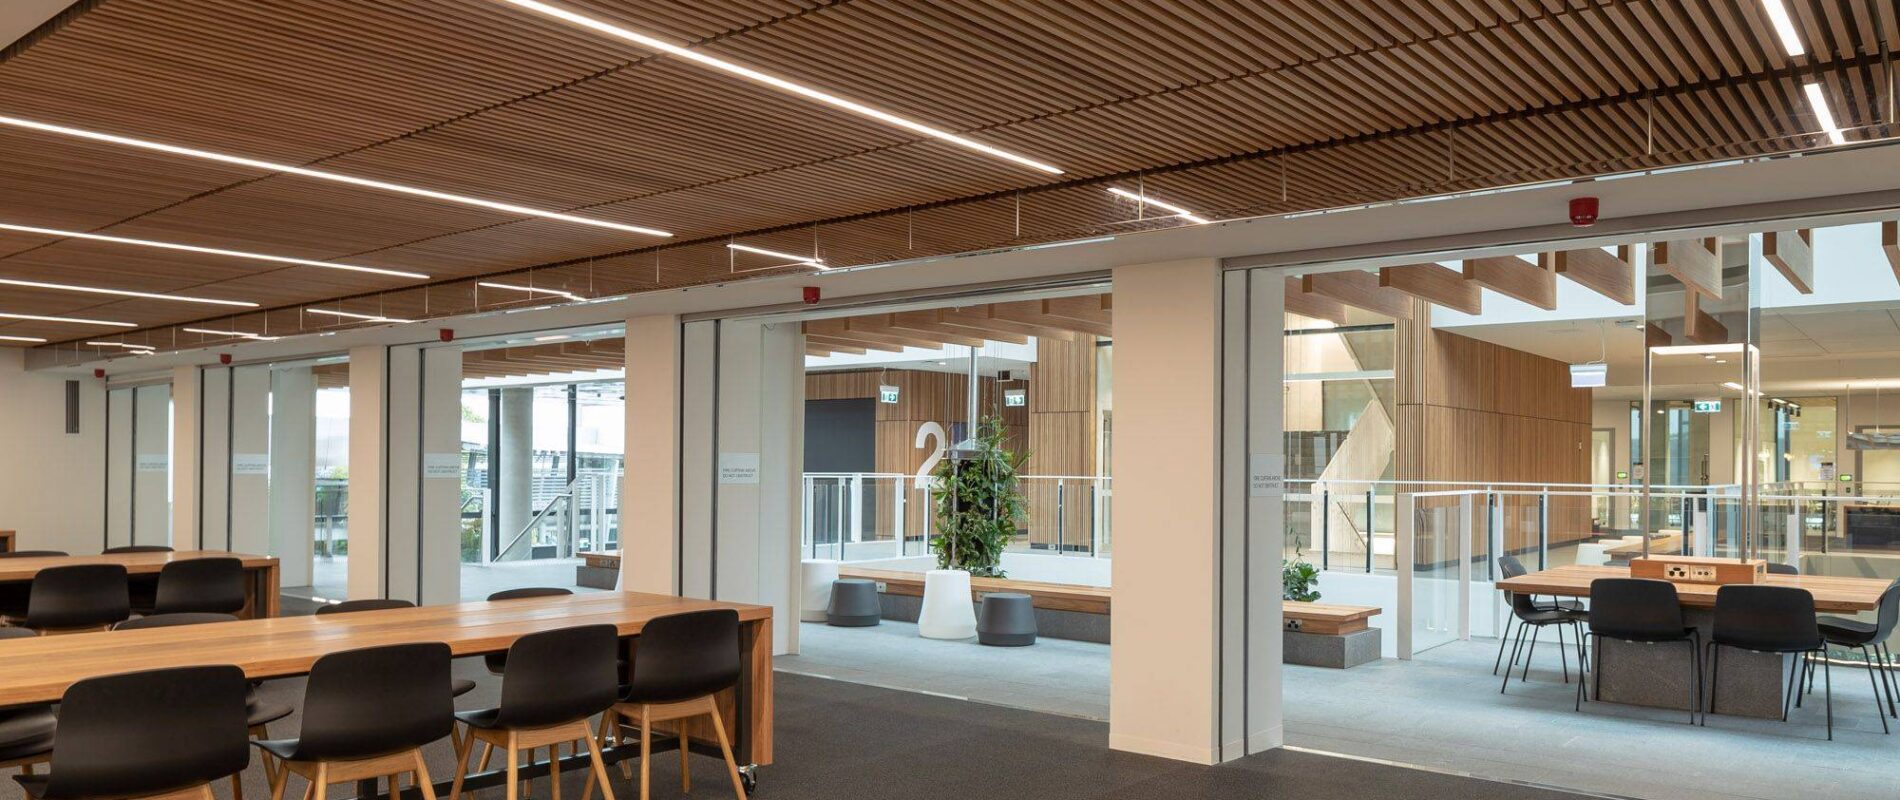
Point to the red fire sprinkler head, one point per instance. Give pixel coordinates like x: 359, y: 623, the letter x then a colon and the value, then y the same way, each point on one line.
x: 811, y: 295
x: 447, y: 334
x: 1583, y: 211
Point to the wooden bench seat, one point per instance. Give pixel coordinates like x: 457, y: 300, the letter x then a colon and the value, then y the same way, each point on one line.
x: 1328, y: 619
x: 1052, y: 596
x: 605, y: 559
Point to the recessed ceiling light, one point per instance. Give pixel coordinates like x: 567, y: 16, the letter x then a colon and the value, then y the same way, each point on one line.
x: 235, y: 334
x: 797, y: 259
x: 529, y: 289
x: 62, y: 287
x: 351, y: 315
x: 1784, y: 27
x: 192, y: 248
x: 22, y: 339
x: 1821, y: 113
x: 73, y: 320
x: 781, y: 84
x: 270, y: 166
x: 1178, y: 211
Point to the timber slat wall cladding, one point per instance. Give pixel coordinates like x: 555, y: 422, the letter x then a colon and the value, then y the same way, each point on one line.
x: 1239, y: 111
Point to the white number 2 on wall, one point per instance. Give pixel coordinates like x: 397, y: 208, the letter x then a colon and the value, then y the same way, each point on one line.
x: 924, y: 434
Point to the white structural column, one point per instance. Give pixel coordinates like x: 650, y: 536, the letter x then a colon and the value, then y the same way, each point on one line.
x: 293, y: 472
x: 187, y: 401
x: 514, y: 473
x: 751, y: 544
x: 649, y: 499
x: 422, y: 510
x: 1180, y: 671
x: 369, y: 446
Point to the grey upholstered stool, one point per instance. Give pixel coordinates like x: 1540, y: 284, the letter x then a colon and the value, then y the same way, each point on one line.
x: 1007, y: 619
x: 854, y: 604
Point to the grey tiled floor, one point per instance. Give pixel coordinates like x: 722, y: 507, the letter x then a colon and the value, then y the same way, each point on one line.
x: 1441, y: 711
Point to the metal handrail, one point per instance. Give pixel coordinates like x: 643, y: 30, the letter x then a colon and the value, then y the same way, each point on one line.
x: 539, y: 515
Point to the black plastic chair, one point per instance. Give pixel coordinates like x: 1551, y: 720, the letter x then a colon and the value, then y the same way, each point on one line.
x: 1871, y: 639
x: 137, y: 548
x: 13, y: 595
x: 141, y: 734
x: 372, y: 604
x: 1775, y: 568
x: 1568, y: 611
x: 1770, y: 619
x: 556, y: 682
x: 78, y: 597
x: 200, y: 586
x: 498, y: 662
x: 1641, y: 611
x: 457, y: 686
x: 258, y: 714
x: 366, y: 714
x: 680, y: 663
x: 26, y: 733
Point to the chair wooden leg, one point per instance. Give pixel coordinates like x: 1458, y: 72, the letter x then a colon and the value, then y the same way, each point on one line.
x: 600, y: 774
x: 527, y: 786
x: 686, y: 773
x: 554, y: 772
x: 725, y: 749
x: 237, y: 786
x: 421, y: 776
x: 487, y: 751
x: 461, y: 765
x: 278, y: 778
x: 514, y: 768
x: 320, y: 788
x: 646, y: 750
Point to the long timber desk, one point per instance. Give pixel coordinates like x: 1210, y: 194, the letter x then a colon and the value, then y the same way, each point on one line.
x: 39, y: 670
x: 260, y: 589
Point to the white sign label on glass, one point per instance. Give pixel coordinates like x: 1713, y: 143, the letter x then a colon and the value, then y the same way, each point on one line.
x: 1267, y: 475
x: 738, y: 468
x: 153, y: 462
x: 250, y: 464
x: 442, y: 465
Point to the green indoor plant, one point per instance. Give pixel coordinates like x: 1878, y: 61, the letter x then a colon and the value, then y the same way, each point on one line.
x: 1299, y: 580
x: 978, y: 502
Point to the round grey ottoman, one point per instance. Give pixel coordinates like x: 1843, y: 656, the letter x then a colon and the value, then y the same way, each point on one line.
x: 1006, y: 619
x: 853, y: 604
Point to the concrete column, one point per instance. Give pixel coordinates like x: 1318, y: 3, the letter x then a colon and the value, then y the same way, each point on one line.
x: 649, y: 498
x: 293, y: 472
x: 187, y: 401
x: 1165, y: 693
x: 369, y: 444
x: 514, y: 479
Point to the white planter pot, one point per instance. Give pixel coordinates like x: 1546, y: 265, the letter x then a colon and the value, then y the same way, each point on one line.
x: 818, y: 575
x: 948, y: 611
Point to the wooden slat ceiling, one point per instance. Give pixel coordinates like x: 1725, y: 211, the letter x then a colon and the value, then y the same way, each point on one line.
x: 1229, y: 109
x: 1015, y: 321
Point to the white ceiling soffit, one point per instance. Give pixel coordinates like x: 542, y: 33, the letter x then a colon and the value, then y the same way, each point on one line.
x: 1720, y: 199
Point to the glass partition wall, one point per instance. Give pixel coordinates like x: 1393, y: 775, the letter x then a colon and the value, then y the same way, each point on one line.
x: 1729, y: 395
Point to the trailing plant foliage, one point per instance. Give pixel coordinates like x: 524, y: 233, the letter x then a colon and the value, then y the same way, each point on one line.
x: 1299, y: 579
x: 978, y: 503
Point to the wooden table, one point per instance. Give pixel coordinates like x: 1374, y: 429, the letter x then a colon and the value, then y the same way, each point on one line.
x: 39, y: 670
x: 1831, y: 595
x: 261, y: 591
x: 1752, y: 684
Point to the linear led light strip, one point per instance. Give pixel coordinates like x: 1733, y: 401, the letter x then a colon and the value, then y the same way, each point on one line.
x: 146, y: 144
x: 192, y: 248
x: 1784, y: 27
x: 124, y: 293
x: 1144, y: 199
x: 35, y: 339
x: 235, y: 334
x: 73, y: 320
x: 796, y: 259
x: 354, y: 316
x: 530, y: 289
x: 775, y: 82
x: 126, y: 345
x: 1821, y: 113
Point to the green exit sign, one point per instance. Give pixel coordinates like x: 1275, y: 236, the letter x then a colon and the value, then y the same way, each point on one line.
x: 1708, y: 406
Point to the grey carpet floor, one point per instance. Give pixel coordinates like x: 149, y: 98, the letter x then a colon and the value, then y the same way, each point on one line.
x: 845, y: 740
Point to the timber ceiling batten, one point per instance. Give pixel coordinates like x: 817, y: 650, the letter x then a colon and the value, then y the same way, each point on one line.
x: 1247, y: 111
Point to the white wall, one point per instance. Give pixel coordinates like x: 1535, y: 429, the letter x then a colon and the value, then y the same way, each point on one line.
x: 52, y: 485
